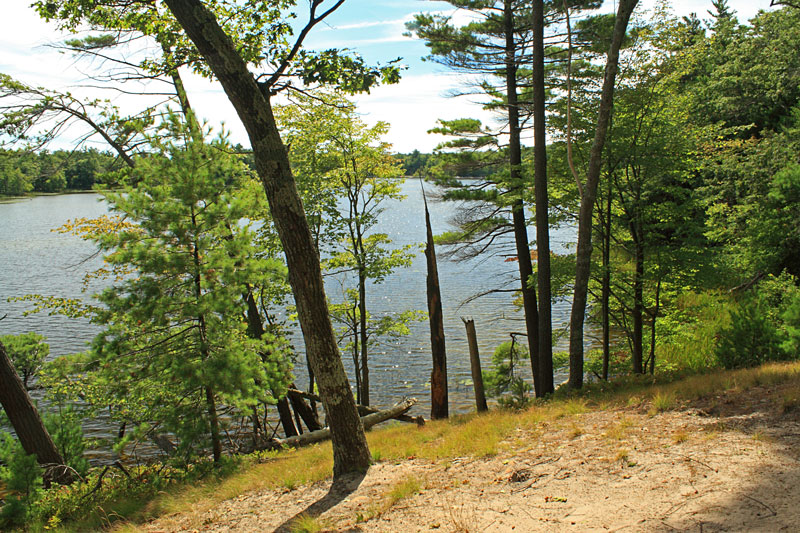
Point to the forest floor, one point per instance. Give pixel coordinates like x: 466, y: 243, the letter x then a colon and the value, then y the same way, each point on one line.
x: 729, y: 461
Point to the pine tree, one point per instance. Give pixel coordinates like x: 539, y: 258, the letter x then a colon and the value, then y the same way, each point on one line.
x: 176, y: 349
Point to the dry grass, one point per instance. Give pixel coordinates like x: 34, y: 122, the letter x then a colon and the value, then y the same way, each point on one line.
x: 472, y: 435
x: 679, y: 437
x: 663, y: 401
x: 619, y: 431
x: 401, y: 490
x: 306, y: 524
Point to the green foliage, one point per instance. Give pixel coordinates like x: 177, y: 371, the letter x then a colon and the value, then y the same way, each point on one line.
x: 751, y: 339
x: 688, y: 332
x: 345, y: 173
x: 28, y: 352
x: 791, y: 320
x: 503, y: 381
x: 619, y: 362
x: 22, y: 477
x: 174, y: 338
x: 64, y: 426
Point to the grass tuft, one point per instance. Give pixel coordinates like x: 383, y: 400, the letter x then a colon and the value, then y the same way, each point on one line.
x: 306, y: 524
x: 663, y: 401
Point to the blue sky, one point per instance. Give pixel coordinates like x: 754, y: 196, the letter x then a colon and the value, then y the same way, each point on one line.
x: 371, y: 28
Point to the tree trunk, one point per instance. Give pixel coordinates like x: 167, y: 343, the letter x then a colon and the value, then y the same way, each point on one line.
x: 306, y: 411
x: 255, y: 330
x: 605, y: 224
x: 213, y: 420
x: 583, y: 254
x: 638, y: 309
x: 518, y: 207
x: 362, y: 309
x: 439, y: 402
x: 27, y: 423
x: 542, y: 207
x: 350, y: 449
x: 285, y: 415
x: 475, y: 366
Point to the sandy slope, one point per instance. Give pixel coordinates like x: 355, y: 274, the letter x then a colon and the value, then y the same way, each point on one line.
x: 730, y: 463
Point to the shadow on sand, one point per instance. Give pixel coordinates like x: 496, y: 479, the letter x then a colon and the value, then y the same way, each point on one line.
x: 340, y: 489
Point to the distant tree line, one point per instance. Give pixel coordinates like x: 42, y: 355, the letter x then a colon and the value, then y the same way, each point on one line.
x: 25, y: 171
x: 418, y: 163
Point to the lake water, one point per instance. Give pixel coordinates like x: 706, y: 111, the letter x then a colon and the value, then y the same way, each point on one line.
x: 36, y: 260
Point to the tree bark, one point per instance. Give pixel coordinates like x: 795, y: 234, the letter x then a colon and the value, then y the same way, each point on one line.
x: 28, y: 424
x: 518, y: 207
x: 475, y: 366
x: 439, y: 402
x: 584, y: 250
x: 350, y: 449
x: 542, y: 207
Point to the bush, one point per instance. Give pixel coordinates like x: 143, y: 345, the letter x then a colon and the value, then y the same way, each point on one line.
x: 22, y: 477
x: 791, y: 329
x: 688, y: 333
x: 65, y: 428
x: 502, y: 381
x: 751, y: 338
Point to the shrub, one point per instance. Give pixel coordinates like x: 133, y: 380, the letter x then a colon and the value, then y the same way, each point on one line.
x: 502, y: 381
x: 751, y: 338
x: 65, y: 428
x: 22, y: 477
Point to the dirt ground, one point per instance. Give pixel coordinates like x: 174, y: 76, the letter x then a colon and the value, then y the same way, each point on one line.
x: 728, y: 463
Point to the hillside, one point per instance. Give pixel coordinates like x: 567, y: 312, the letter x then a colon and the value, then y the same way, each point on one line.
x: 726, y: 460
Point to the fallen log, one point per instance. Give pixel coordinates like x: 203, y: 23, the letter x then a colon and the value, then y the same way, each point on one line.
x: 324, y: 434
x: 363, y: 410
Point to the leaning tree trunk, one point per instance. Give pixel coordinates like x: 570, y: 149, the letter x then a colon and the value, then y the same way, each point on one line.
x: 583, y: 253
x: 350, y: 449
x: 439, y: 402
x: 518, y: 207
x: 28, y: 424
x: 542, y: 209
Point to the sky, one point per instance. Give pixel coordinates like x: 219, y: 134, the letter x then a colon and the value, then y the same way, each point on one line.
x: 372, y: 28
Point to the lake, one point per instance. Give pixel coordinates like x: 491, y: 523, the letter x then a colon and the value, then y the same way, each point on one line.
x: 34, y: 259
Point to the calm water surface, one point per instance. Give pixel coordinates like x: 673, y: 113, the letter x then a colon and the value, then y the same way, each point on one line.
x: 36, y: 260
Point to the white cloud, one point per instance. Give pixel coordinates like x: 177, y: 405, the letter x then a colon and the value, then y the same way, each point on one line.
x: 413, y: 106
x: 366, y: 24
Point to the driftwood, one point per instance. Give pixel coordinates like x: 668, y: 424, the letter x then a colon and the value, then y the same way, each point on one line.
x: 324, y: 434
x: 363, y: 410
